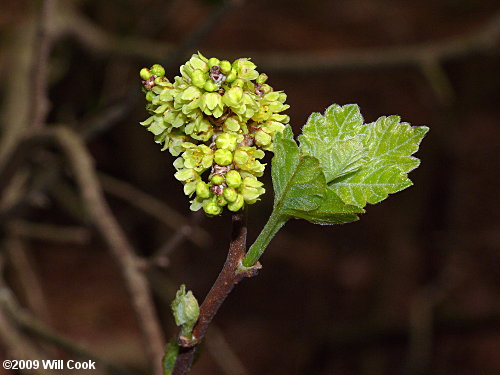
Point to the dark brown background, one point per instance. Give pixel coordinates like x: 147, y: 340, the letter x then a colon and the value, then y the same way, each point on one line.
x: 329, y: 300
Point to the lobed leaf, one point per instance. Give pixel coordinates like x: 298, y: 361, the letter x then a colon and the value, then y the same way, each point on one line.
x: 300, y: 186
x: 336, y: 139
x: 362, y: 163
x: 298, y: 181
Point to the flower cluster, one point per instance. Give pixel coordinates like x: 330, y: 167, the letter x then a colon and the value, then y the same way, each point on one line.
x: 217, y: 117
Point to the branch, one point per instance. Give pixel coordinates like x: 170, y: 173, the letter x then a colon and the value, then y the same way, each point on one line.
x: 22, y: 319
x: 153, y: 207
x: 165, y: 289
x: 223, y: 354
x: 160, y: 256
x: 16, y: 343
x: 40, y: 102
x: 82, y: 166
x: 226, y: 281
x: 70, y: 22
x: 194, y: 38
x: 49, y: 232
x: 480, y: 40
x: 26, y: 273
x: 486, y: 38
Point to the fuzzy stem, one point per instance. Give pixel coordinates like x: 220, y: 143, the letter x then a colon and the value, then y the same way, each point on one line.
x: 273, y: 225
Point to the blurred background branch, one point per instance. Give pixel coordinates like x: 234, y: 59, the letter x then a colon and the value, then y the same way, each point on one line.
x: 381, y: 303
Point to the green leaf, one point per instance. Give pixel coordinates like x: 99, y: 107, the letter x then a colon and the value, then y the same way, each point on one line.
x: 300, y: 191
x: 390, y: 145
x: 170, y: 356
x: 336, y: 139
x: 340, y: 166
x: 331, y: 211
x: 362, y: 163
x: 298, y: 181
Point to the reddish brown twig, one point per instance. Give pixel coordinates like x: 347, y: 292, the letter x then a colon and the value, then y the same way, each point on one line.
x: 227, y: 279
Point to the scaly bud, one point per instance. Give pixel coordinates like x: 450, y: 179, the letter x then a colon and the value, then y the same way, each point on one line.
x: 186, y: 310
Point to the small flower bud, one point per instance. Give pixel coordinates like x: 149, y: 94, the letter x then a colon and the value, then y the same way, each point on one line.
x: 150, y: 96
x: 197, y: 61
x: 231, y: 124
x: 217, y: 179
x: 226, y: 141
x: 211, y: 207
x: 230, y: 194
x: 233, y: 179
x: 237, y: 204
x: 231, y: 76
x: 238, y: 83
x: 251, y: 189
x: 158, y: 70
x: 266, y: 88
x: 262, y: 78
x: 245, y: 159
x: 210, y: 100
x: 191, y: 93
x: 210, y: 86
x: 213, y: 61
x: 202, y: 190
x: 233, y: 96
x: 241, y: 157
x: 221, y: 201
x: 186, y: 310
x: 223, y: 157
x: 198, y: 78
x: 225, y: 66
x: 145, y: 74
x: 262, y: 139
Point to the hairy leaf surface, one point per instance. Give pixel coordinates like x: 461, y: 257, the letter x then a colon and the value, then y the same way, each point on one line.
x: 300, y: 186
x: 362, y: 163
x: 336, y: 139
